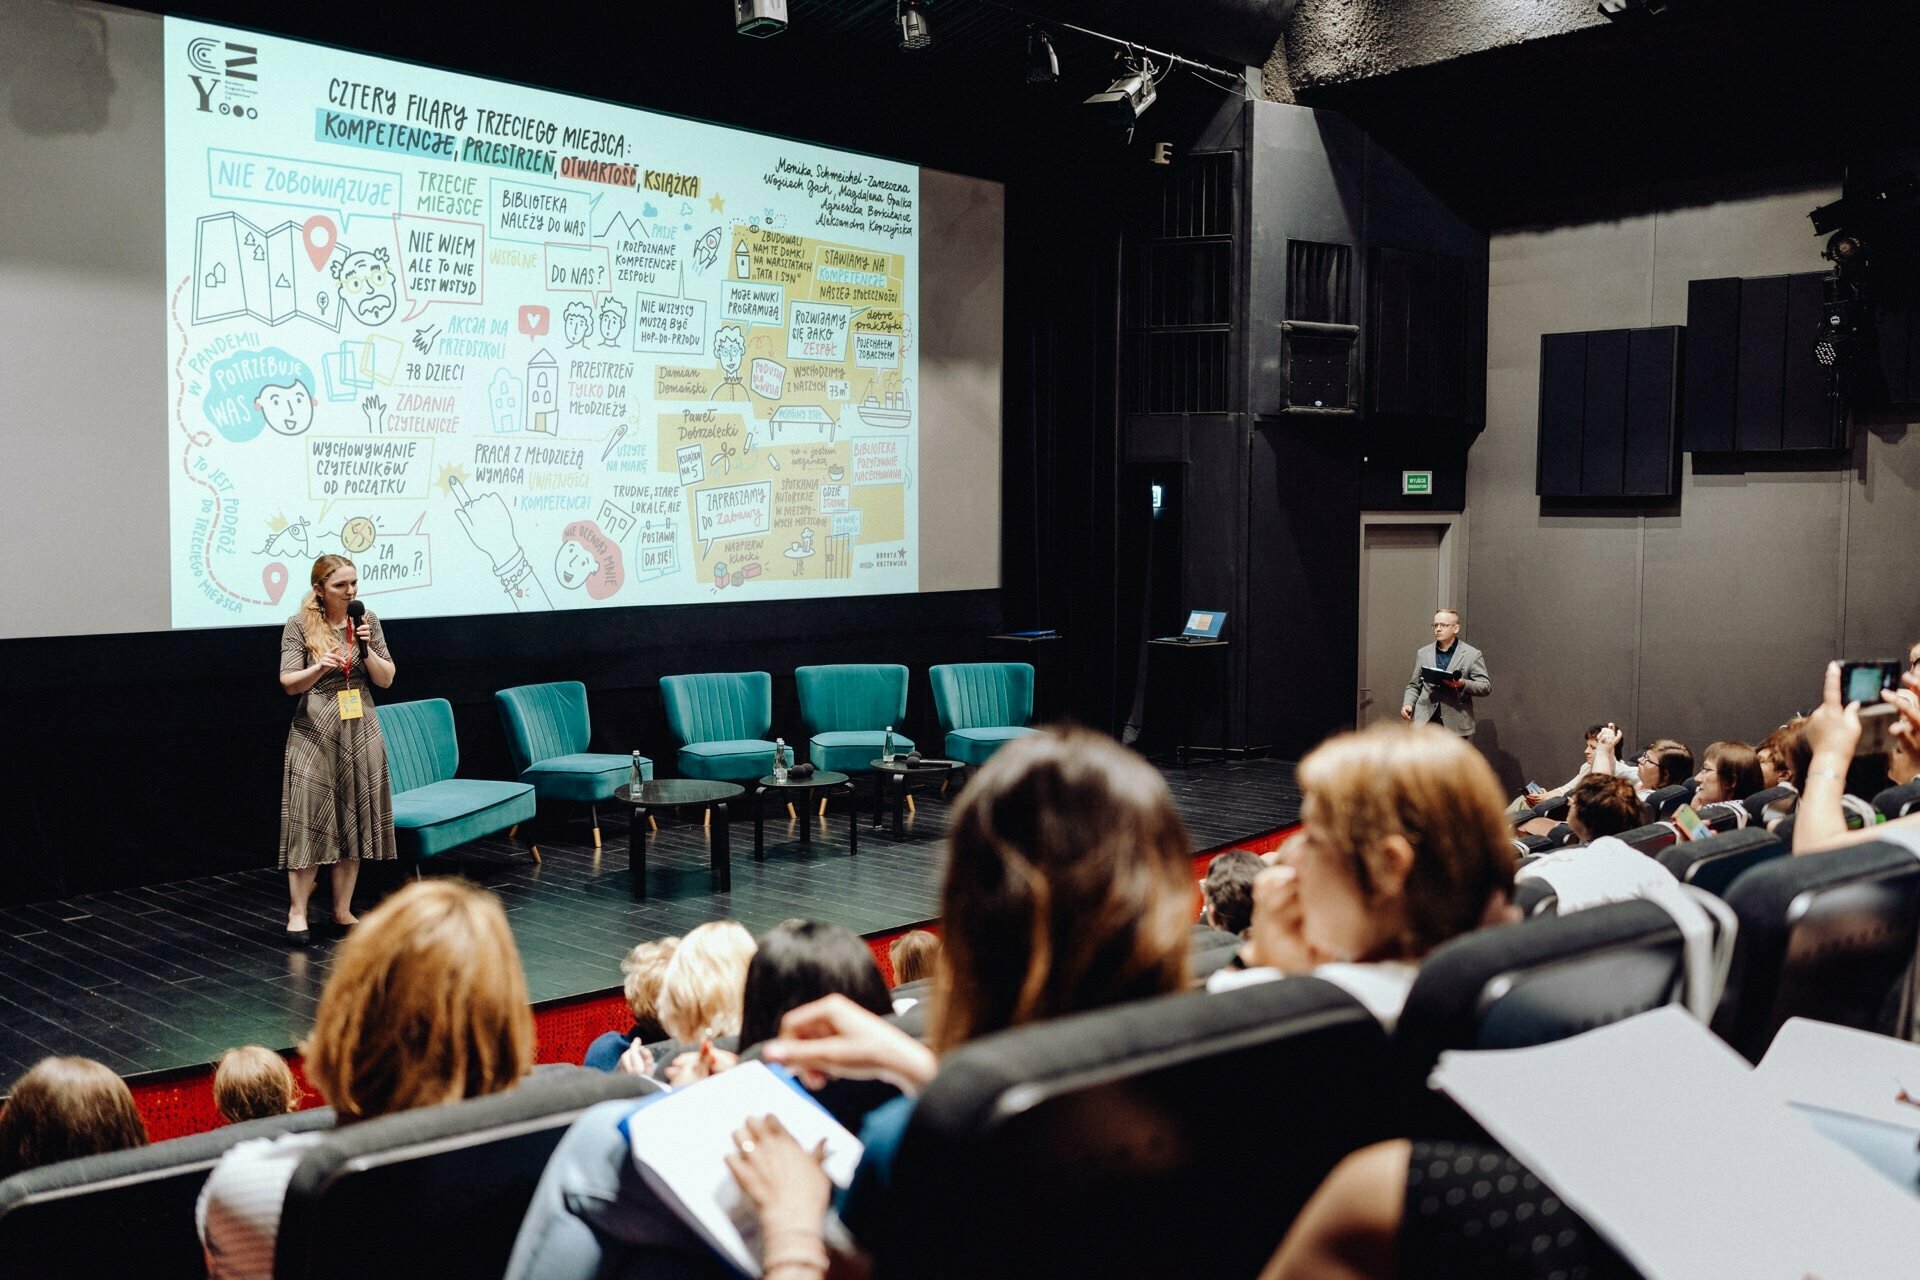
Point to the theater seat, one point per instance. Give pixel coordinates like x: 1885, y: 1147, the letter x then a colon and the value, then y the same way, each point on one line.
x: 1715, y: 863
x: 1530, y: 983
x: 1826, y: 936
x: 1898, y: 802
x: 1652, y: 838
x: 1665, y: 800
x: 437, y: 1191
x: 125, y: 1213
x: 1168, y: 1137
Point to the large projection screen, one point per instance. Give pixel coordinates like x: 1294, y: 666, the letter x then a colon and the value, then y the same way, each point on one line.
x: 511, y: 350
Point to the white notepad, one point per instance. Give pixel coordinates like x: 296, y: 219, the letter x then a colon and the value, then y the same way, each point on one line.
x: 680, y: 1145
x: 1658, y: 1134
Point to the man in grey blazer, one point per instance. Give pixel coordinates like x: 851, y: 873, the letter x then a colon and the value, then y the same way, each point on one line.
x: 1450, y: 703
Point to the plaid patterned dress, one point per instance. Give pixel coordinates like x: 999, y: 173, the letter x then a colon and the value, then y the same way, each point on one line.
x: 335, y: 800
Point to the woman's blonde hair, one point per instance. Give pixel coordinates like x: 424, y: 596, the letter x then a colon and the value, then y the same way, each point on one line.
x: 914, y: 956
x: 1067, y: 887
x: 645, y: 967
x: 703, y: 991
x: 313, y: 614
x: 250, y: 1082
x: 1435, y: 791
x: 427, y: 1004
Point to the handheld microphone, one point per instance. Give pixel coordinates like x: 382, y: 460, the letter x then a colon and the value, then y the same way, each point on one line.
x: 356, y: 611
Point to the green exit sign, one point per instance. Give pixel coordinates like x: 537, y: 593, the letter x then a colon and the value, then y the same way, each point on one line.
x: 1416, y: 483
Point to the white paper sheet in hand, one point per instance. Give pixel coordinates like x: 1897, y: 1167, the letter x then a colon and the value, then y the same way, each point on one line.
x: 1853, y: 1072
x: 1656, y: 1133
x: 685, y: 1138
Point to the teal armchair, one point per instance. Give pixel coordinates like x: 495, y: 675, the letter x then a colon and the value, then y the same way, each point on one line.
x: 982, y: 706
x: 846, y: 710
x: 432, y: 810
x: 548, y: 731
x: 722, y: 722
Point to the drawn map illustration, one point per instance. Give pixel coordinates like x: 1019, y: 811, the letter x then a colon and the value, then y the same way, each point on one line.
x: 513, y: 350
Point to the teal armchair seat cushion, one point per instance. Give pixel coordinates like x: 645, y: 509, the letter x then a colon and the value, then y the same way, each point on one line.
x: 847, y: 708
x: 974, y: 746
x: 548, y: 731
x: 728, y: 760
x: 432, y: 810
x: 850, y: 751
x: 441, y: 815
x: 982, y: 706
x: 587, y: 776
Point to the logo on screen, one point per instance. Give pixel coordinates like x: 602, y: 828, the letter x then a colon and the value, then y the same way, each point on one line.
x: 224, y: 75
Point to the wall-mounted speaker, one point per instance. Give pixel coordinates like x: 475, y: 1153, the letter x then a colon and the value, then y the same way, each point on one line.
x: 1319, y: 368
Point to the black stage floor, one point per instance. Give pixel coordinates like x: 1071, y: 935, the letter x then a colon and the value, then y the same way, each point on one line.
x: 166, y: 976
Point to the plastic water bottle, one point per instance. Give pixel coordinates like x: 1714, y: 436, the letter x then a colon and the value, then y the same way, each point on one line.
x: 779, y: 759
x: 635, y: 779
x: 886, y: 748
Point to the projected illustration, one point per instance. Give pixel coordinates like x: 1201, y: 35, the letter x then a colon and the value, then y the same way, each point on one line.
x: 518, y: 351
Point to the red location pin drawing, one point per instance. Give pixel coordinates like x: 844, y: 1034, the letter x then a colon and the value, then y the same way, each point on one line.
x: 319, y: 235
x: 274, y: 577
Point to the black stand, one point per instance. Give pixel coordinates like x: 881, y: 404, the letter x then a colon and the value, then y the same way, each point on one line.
x: 1192, y: 657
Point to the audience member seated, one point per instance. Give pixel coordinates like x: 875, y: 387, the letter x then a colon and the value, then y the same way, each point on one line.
x: 1523, y: 804
x: 1730, y: 771
x: 913, y: 955
x: 701, y: 995
x: 1603, y: 805
x: 641, y: 971
x: 1665, y: 762
x: 251, y: 1083
x: 1227, y: 893
x: 1066, y: 889
x: 1402, y: 845
x: 427, y: 1004
x: 65, y: 1108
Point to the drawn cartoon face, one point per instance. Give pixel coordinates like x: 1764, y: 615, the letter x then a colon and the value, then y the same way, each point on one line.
x: 729, y: 348
x: 613, y: 319
x: 366, y: 286
x: 288, y: 409
x: 574, y: 564
x: 579, y: 321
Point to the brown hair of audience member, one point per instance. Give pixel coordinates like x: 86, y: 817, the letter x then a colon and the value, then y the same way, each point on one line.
x: 1799, y: 751
x: 642, y: 970
x: 1066, y: 887
x: 703, y: 991
x: 427, y: 1004
x: 1669, y: 761
x: 1736, y: 767
x: 1228, y: 890
x: 914, y: 955
x: 251, y: 1082
x: 64, y: 1108
x: 1602, y: 805
x: 1436, y: 792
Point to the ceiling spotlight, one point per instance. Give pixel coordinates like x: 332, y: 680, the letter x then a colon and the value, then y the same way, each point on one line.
x: 1846, y: 249
x: 914, y: 31
x: 1043, y: 64
x: 761, y: 18
x: 1127, y: 99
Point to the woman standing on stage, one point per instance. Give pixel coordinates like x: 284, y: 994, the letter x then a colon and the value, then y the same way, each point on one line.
x: 336, y: 806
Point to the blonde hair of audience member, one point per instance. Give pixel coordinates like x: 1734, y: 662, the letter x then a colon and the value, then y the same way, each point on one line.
x: 1729, y: 771
x: 252, y: 1082
x: 427, y: 1004
x: 65, y: 1108
x: 644, y: 968
x: 914, y: 956
x: 1403, y: 845
x: 1066, y: 887
x: 703, y: 990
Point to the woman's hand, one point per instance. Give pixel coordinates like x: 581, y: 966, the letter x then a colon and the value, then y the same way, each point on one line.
x: 1277, y: 938
x: 1833, y: 730
x: 785, y: 1182
x: 699, y: 1064
x: 636, y: 1061
x: 833, y: 1037
x: 1908, y: 701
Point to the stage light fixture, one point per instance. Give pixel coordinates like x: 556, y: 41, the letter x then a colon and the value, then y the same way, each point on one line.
x: 1127, y: 98
x: 1846, y: 249
x: 914, y: 31
x: 1043, y: 64
x: 760, y: 18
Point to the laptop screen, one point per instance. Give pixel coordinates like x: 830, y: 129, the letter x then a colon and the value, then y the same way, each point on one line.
x: 1204, y: 624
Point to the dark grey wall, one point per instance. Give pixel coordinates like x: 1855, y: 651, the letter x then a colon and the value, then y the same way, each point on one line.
x: 1706, y: 618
